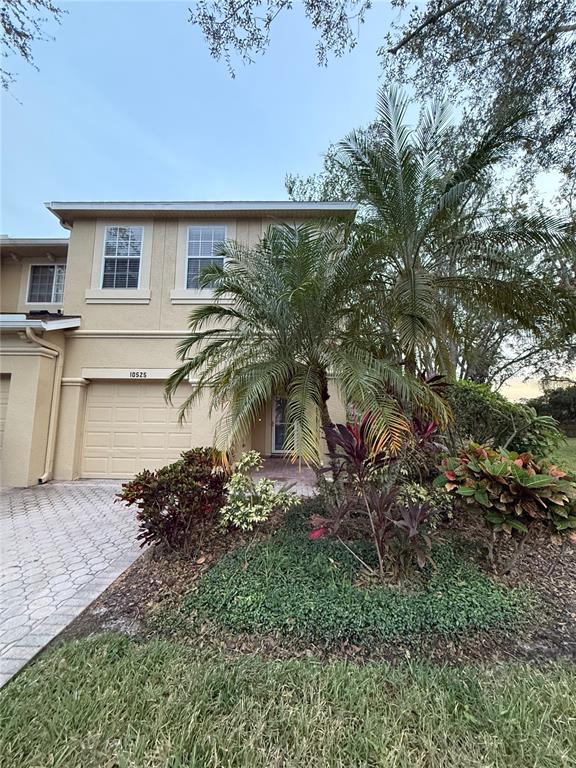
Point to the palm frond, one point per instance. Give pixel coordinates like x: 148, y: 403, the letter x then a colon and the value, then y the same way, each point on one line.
x: 303, y: 415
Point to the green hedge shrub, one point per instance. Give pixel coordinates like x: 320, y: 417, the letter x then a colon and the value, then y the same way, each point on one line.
x: 560, y: 403
x: 485, y: 416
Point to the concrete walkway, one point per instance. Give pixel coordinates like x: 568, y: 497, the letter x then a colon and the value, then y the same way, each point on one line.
x: 301, y: 479
x: 61, y: 545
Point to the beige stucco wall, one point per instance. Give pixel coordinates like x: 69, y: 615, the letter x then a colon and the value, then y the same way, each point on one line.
x: 161, y: 312
x: 31, y: 371
x: 70, y: 429
x: 10, y: 285
x: 14, y: 278
x: 130, y: 336
x: 114, y: 335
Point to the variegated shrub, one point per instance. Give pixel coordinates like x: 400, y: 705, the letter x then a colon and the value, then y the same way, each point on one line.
x: 513, y: 490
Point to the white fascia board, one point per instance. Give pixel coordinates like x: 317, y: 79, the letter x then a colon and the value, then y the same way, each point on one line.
x: 21, y: 322
x: 40, y: 242
x: 56, y: 325
x: 202, y: 207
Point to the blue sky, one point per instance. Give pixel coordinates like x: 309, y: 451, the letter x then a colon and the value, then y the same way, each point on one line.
x: 128, y: 105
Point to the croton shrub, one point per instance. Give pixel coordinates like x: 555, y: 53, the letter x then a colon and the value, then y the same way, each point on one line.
x: 513, y: 490
x: 177, y: 504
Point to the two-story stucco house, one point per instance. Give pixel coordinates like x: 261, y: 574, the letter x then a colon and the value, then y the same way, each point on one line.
x: 89, y: 328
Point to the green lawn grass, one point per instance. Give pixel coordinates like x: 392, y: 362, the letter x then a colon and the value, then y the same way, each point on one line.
x: 566, y: 454
x: 108, y: 702
x: 307, y: 590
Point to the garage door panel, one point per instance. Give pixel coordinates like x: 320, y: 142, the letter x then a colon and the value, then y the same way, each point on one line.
x: 126, y: 415
x: 130, y: 427
x: 97, y: 439
x: 95, y: 467
x: 99, y: 413
x: 178, y: 441
x: 155, y: 415
x: 154, y: 440
x: 122, y: 466
x: 126, y: 440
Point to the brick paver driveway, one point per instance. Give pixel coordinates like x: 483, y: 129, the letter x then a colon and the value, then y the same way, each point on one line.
x: 61, y: 545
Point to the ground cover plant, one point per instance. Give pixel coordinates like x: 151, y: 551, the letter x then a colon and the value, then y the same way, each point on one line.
x: 318, y: 590
x: 109, y: 701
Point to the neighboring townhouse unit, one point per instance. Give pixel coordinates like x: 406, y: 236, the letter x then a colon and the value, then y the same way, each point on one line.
x: 89, y: 328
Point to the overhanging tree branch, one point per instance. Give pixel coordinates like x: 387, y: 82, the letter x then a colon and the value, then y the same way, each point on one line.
x: 558, y: 30
x: 432, y: 18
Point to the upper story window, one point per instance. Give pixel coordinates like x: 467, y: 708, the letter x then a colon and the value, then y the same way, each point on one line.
x: 203, y: 243
x: 46, y: 283
x: 122, y: 255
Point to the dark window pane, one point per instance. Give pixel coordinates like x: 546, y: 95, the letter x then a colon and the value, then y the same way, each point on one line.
x: 195, y: 269
x: 41, y: 284
x: 121, y: 273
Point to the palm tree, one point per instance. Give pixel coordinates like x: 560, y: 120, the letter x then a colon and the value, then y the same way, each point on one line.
x: 434, y: 247
x: 281, y: 324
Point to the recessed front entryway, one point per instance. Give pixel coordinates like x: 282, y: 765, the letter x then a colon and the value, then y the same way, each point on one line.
x: 129, y: 427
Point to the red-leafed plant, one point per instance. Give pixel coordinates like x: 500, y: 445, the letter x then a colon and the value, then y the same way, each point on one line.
x: 177, y: 504
x: 366, y: 484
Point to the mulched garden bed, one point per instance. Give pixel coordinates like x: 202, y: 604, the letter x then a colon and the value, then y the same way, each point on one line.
x: 157, y: 580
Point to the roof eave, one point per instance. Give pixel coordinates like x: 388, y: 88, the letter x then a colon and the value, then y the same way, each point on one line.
x: 20, y: 323
x: 66, y: 212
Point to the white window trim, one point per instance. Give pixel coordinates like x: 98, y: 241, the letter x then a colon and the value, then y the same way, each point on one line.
x: 29, y: 282
x: 128, y: 258
x: 180, y: 294
x: 141, y: 295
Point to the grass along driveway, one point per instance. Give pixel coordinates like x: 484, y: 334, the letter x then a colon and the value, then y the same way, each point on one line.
x: 108, y: 701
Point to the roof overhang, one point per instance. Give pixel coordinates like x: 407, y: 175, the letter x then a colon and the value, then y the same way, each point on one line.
x: 17, y: 247
x: 19, y: 322
x: 68, y: 212
x: 33, y: 242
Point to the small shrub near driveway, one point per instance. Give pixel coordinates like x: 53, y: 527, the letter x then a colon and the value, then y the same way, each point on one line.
x: 177, y: 503
x: 249, y: 502
x: 311, y: 590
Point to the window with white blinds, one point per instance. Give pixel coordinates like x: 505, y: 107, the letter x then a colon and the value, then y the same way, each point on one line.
x: 202, y: 251
x: 122, y: 255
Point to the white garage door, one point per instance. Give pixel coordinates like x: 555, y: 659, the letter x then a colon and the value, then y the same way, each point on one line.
x: 130, y: 427
x: 4, y: 390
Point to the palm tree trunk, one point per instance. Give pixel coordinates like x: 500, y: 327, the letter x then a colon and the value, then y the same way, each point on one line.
x: 327, y: 423
x: 410, y: 362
